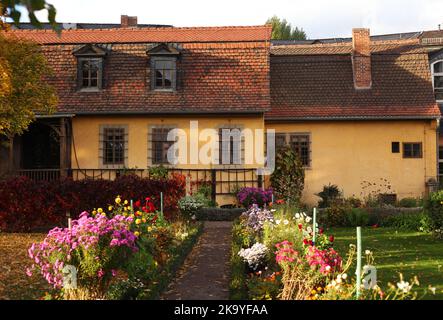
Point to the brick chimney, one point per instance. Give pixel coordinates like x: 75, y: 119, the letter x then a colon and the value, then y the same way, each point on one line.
x: 361, y: 58
x: 128, y: 22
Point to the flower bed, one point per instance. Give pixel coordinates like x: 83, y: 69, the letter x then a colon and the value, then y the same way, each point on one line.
x: 274, y: 257
x: 26, y: 204
x: 123, y: 252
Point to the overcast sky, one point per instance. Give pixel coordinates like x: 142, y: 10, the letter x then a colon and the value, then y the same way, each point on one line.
x: 319, y: 18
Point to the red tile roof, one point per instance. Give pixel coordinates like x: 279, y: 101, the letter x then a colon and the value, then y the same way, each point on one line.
x: 137, y: 35
x: 316, y: 82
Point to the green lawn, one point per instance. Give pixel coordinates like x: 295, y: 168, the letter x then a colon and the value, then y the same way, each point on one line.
x: 408, y: 252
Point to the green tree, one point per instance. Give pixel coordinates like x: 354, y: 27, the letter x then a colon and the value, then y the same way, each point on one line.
x: 11, y: 9
x: 288, y: 178
x: 23, y: 69
x: 282, y: 30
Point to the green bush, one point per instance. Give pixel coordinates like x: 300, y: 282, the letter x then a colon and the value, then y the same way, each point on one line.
x: 357, y: 217
x: 434, y: 210
x: 237, y: 284
x: 408, y: 221
x: 189, y: 205
x: 158, y: 172
x: 288, y: 178
x: 409, y: 202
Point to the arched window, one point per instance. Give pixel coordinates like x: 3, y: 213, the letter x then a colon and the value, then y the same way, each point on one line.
x: 437, y: 79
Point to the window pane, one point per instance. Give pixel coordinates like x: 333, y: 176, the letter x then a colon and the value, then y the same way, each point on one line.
x: 160, y: 145
x: 94, y: 82
x: 438, y: 67
x: 114, y: 146
x: 168, y: 79
x: 438, y: 82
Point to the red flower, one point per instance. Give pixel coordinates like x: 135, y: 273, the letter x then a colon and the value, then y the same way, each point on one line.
x: 300, y: 226
x: 375, y: 226
x: 320, y: 231
x: 280, y: 201
x: 137, y: 204
x: 305, y: 242
x: 331, y: 238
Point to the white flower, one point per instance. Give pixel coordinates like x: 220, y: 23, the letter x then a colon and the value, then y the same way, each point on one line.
x: 404, y: 286
x: 273, y: 210
x: 309, y: 229
x: 277, y: 221
x: 308, y: 219
x: 297, y: 215
x: 193, y: 217
x: 344, y: 276
x: 367, y: 252
x: 285, y: 222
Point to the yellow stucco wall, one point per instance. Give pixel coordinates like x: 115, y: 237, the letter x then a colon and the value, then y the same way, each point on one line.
x: 347, y: 153
x: 344, y: 153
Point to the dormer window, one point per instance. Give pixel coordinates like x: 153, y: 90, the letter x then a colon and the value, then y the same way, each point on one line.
x: 163, y: 64
x: 437, y: 79
x: 89, y: 67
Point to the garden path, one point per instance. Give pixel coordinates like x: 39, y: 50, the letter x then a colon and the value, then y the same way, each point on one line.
x: 205, y: 273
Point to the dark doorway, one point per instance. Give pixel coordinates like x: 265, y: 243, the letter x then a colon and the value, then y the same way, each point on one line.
x: 40, y: 147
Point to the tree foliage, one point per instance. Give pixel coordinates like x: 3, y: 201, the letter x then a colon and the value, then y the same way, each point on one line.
x: 24, y: 91
x: 282, y: 30
x: 288, y: 178
x: 11, y: 9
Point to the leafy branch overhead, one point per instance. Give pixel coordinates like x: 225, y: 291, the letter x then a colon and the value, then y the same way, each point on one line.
x: 11, y: 9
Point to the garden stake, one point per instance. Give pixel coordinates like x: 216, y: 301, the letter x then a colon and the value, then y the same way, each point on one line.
x: 358, y: 271
x: 272, y: 198
x: 132, y: 206
x: 314, y: 225
x: 161, y: 204
x: 68, y: 214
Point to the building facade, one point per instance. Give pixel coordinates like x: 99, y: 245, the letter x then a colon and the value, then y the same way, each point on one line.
x: 361, y: 114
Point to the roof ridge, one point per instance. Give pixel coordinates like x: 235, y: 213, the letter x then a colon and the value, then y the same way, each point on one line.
x: 347, y: 44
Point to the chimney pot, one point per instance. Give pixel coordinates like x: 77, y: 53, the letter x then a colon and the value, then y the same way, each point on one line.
x: 361, y: 58
x: 128, y: 21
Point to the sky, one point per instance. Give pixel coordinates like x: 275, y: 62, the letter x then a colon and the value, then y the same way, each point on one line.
x: 319, y: 18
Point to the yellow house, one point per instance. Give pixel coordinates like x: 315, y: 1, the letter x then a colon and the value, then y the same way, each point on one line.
x: 361, y: 115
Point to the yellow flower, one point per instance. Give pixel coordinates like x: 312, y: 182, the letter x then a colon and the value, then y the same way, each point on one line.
x: 110, y: 208
x: 131, y: 215
x: 313, y: 292
x: 125, y: 208
x: 149, y: 229
x: 138, y: 221
x: 126, y: 202
x: 118, y: 200
x: 144, y: 220
x: 136, y: 233
x: 99, y: 210
x: 94, y: 212
x: 103, y: 214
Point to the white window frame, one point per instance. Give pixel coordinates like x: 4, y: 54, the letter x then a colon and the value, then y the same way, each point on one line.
x: 438, y: 74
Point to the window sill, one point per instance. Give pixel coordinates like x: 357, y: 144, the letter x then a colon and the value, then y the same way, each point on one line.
x: 89, y: 90
x: 164, y: 90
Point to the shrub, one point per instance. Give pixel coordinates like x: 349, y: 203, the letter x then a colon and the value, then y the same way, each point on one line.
x: 357, y: 217
x: 158, y: 172
x: 288, y: 178
x: 189, y: 205
x: 26, y: 204
x: 329, y: 195
x: 409, y: 203
x: 434, y: 209
x: 249, y: 196
x: 335, y: 215
x: 408, y: 221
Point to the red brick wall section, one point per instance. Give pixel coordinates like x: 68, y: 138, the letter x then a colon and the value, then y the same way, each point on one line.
x: 211, y: 77
x: 361, y: 58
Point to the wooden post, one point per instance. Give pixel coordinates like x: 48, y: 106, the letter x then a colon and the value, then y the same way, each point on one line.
x: 63, y: 148
x: 213, y: 185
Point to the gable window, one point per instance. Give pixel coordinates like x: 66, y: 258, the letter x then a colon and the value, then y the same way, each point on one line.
x: 412, y: 150
x: 113, y: 145
x: 90, y: 59
x: 160, y: 145
x: 437, y: 79
x: 300, y: 143
x: 230, y: 146
x: 163, y: 60
x: 90, y: 73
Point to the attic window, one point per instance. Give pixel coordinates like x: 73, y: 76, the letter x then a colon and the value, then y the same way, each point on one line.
x: 89, y: 67
x: 163, y: 61
x: 437, y: 79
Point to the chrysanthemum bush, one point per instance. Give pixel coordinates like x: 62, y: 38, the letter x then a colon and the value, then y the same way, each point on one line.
x: 294, y: 267
x: 111, y: 249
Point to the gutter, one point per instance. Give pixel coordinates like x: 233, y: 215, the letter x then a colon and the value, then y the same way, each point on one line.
x: 353, y: 118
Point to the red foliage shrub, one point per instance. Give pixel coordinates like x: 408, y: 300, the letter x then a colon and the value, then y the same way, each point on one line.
x: 26, y: 204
